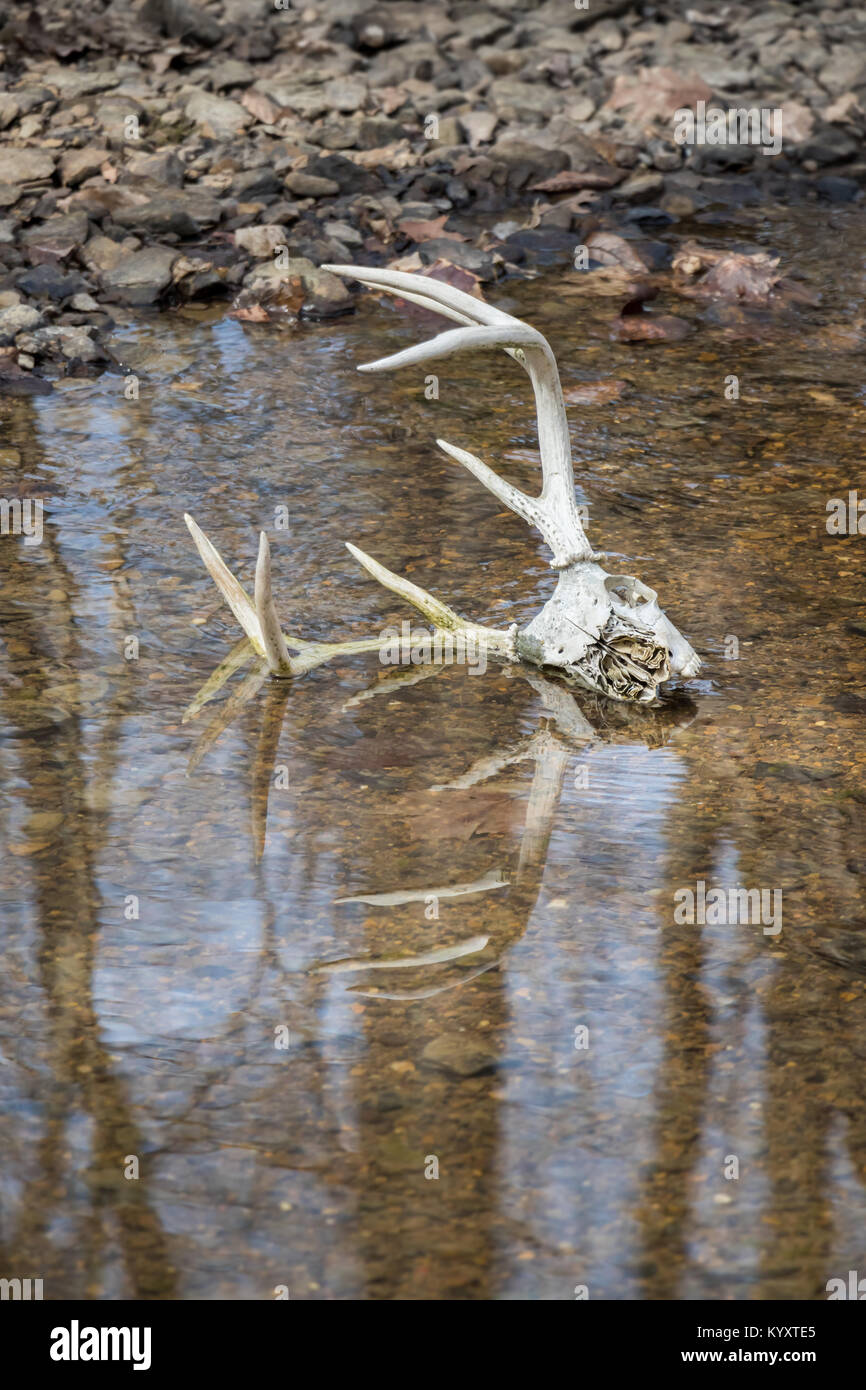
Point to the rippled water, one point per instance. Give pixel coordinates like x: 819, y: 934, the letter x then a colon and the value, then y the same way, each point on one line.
x: 170, y: 889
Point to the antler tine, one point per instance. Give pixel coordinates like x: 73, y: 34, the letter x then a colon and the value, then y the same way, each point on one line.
x: 556, y: 501
x: 554, y: 511
x: 272, y: 634
x: 512, y: 334
x: 231, y: 590
x: 423, y: 289
x: 531, y: 509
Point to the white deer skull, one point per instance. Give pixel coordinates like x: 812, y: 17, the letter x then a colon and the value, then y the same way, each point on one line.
x: 605, y: 631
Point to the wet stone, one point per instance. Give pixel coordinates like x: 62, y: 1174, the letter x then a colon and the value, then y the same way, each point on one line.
x: 460, y: 1054
x: 141, y: 277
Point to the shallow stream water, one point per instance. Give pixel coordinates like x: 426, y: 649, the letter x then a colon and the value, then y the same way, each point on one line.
x: 584, y: 1074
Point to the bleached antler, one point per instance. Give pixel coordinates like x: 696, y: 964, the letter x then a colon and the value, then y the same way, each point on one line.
x: 267, y: 640
x: 554, y: 512
x: 606, y: 631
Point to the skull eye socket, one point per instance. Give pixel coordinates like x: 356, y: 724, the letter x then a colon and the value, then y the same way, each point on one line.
x: 628, y: 589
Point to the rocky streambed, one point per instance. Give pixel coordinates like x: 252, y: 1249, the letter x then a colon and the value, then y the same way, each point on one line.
x: 159, y: 155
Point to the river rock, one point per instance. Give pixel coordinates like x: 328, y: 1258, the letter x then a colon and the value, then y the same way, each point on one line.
x: 306, y: 185
x: 49, y: 281
x: 261, y: 241
x: 78, y: 165
x: 181, y: 212
x: 25, y: 166
x: 18, y: 318
x: 57, y: 237
x: 460, y: 1054
x: 216, y: 117
x: 182, y: 21
x: 527, y: 163
x: 140, y: 278
x: 163, y: 167
x: 325, y: 295
x: 71, y: 342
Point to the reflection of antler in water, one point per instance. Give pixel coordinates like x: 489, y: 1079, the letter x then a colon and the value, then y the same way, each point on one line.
x: 550, y: 749
x: 594, y: 719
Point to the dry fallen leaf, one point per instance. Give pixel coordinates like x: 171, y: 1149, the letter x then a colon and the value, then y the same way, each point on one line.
x: 255, y: 313
x: 569, y: 179
x: 657, y: 92
x: 396, y: 156
x: 426, y: 231
x: 455, y: 275
x: 730, y: 274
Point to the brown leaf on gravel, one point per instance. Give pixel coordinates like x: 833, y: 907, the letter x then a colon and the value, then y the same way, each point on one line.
x: 569, y: 179
x: 655, y: 92
x: 442, y: 270
x: 578, y: 203
x: 255, y: 313
x: 594, y: 392
x: 398, y: 155
x: 455, y: 275
x: 750, y: 276
x: 425, y: 231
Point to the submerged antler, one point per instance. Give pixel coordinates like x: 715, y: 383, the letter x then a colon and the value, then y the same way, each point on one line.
x: 606, y: 631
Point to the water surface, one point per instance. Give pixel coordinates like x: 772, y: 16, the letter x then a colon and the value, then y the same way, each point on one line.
x: 164, y: 928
